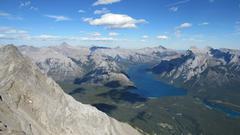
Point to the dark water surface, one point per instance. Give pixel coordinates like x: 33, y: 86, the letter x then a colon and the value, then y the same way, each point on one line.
x: 229, y: 112
x: 148, y: 86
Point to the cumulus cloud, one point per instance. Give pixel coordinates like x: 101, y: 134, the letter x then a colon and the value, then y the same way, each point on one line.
x: 9, y: 16
x: 162, y: 37
x: 102, y: 11
x: 119, y: 21
x: 58, y: 18
x: 112, y: 34
x: 105, y: 2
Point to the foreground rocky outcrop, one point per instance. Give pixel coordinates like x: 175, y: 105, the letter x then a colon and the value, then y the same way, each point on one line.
x: 32, y: 103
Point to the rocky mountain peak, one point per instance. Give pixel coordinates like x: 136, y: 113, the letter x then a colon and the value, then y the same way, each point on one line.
x: 32, y: 103
x: 64, y: 44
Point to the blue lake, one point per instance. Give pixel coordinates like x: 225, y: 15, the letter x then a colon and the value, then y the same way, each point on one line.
x: 148, y: 86
x: 229, y: 112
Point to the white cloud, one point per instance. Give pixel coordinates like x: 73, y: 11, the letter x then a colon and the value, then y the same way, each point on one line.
x: 173, y: 9
x: 102, y: 11
x: 105, y: 2
x: 181, y: 27
x: 145, y: 36
x: 33, y: 8
x: 87, y: 19
x: 162, y: 37
x: 9, y: 16
x: 58, y: 18
x: 12, y: 33
x: 204, y: 23
x: 4, y: 14
x: 27, y: 4
x: 237, y: 27
x: 178, y: 3
x: 96, y: 34
x: 112, y: 34
x: 98, y: 38
x: 81, y: 11
x: 111, y: 20
x: 184, y: 25
x: 47, y: 37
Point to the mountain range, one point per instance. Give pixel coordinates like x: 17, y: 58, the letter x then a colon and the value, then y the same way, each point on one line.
x: 208, y: 73
x: 95, y: 65
x: 33, y: 103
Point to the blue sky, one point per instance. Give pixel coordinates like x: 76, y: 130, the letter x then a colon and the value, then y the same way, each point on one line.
x: 176, y: 24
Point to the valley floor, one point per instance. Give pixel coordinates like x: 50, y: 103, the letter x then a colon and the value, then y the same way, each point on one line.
x: 166, y: 115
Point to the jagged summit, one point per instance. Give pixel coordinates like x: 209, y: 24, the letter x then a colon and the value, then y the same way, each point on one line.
x: 32, y: 103
x: 64, y: 44
x: 162, y: 47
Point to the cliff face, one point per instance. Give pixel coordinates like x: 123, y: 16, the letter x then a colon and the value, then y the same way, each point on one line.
x: 32, y: 103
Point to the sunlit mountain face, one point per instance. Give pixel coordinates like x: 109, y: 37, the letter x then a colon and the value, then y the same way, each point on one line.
x: 142, y: 67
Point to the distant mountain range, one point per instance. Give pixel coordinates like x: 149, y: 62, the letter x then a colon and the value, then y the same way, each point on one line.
x: 100, y: 65
x: 96, y: 65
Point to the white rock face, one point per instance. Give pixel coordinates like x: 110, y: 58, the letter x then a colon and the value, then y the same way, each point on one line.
x: 33, y: 104
x: 55, y: 64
